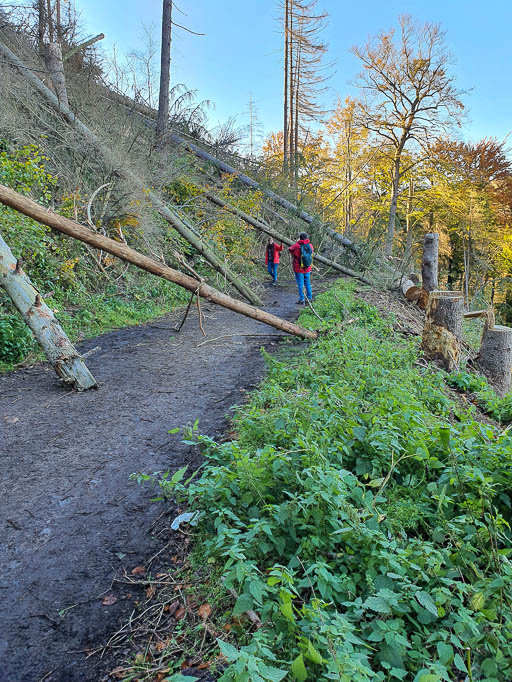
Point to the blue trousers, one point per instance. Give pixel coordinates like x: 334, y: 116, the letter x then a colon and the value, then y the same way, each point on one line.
x: 272, y: 270
x: 303, y: 280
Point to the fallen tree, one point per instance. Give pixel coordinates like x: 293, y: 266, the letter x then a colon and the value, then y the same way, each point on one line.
x: 263, y: 227
x: 246, y: 180
x: 107, y: 155
x: 69, y: 227
x: 59, y: 350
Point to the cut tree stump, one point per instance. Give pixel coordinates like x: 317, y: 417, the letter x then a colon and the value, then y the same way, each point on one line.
x: 495, y: 356
x: 442, y: 333
x: 59, y: 350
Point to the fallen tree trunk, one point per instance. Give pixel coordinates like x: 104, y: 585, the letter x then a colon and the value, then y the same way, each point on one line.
x: 495, y: 356
x: 33, y: 210
x: 59, y: 350
x: 107, y: 155
x: 263, y: 227
x: 246, y: 180
x: 442, y: 333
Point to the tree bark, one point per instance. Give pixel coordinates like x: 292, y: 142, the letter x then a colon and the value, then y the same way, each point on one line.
x: 157, y: 203
x: 442, y: 332
x: 165, y: 71
x: 408, y: 221
x: 59, y: 350
x: 263, y: 227
x: 55, y: 65
x: 286, y: 81
x: 430, y: 265
x: 33, y: 210
x: 82, y: 46
x: 388, y: 250
x: 495, y: 356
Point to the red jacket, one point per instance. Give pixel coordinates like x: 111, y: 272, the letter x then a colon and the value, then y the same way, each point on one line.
x: 295, y: 251
x: 277, y: 249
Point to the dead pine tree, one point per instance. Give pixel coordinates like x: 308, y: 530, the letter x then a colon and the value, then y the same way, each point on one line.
x: 165, y: 72
x: 304, y: 75
x: 50, y: 35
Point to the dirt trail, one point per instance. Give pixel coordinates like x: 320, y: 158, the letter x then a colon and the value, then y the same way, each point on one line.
x: 70, y: 518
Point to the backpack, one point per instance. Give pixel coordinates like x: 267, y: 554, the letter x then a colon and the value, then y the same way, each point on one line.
x: 306, y: 255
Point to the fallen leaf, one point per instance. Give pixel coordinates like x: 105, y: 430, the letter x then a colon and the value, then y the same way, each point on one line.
x: 109, y: 600
x: 227, y: 627
x: 180, y: 613
x: 162, y: 674
x: 204, y: 666
x: 204, y: 611
x: 162, y: 575
x: 119, y: 673
x: 171, y: 608
x: 150, y: 591
x: 138, y: 570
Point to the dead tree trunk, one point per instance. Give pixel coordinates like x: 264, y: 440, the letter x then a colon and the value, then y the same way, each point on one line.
x: 246, y: 180
x: 495, y: 356
x: 165, y: 71
x: 55, y: 65
x: 263, y: 227
x: 442, y: 332
x: 59, y: 350
x: 430, y: 265
x: 43, y: 215
x: 157, y: 203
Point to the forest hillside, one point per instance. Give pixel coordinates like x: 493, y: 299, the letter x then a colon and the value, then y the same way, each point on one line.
x: 351, y: 521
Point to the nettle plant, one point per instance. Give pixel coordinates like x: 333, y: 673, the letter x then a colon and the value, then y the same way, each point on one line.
x: 362, y: 514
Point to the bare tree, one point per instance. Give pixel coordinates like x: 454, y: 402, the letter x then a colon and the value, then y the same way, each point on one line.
x: 410, y: 95
x: 165, y: 69
x: 303, y: 75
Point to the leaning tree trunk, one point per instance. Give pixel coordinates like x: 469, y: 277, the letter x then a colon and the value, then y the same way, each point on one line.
x: 263, y: 227
x: 59, y: 350
x: 430, y: 265
x: 33, y: 210
x: 246, y: 180
x: 495, y: 356
x: 55, y: 65
x: 107, y: 155
x: 442, y: 332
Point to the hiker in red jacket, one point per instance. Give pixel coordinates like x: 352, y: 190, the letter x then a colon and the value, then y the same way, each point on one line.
x: 272, y: 259
x: 302, y: 254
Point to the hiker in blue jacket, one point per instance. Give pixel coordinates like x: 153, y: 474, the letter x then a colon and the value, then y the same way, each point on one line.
x: 302, y: 254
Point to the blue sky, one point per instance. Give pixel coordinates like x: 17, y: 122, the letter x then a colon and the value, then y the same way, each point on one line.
x: 241, y: 51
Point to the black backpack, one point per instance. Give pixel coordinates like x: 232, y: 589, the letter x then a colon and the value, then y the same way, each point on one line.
x: 306, y: 255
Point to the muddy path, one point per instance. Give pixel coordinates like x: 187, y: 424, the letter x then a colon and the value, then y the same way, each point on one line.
x: 71, y: 521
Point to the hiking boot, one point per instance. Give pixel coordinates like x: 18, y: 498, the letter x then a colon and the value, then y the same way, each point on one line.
x: 274, y: 284
x: 300, y: 302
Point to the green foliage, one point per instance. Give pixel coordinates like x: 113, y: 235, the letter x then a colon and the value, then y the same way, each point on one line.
x: 499, y: 408
x: 84, y: 303
x: 16, y: 341
x: 362, y: 514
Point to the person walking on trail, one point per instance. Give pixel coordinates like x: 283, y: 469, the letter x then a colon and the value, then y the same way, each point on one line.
x: 272, y: 258
x: 302, y: 259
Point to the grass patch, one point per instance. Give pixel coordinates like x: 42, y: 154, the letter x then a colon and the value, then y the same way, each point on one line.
x: 361, y: 513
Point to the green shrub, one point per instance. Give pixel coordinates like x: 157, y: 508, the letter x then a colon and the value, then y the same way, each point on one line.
x: 363, y: 514
x: 16, y: 340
